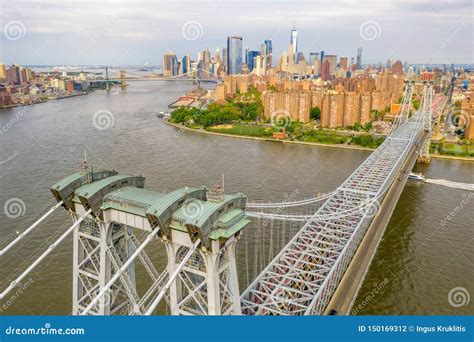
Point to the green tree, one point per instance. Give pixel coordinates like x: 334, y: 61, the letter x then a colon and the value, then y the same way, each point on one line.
x: 358, y: 127
x: 368, y: 126
x: 375, y: 114
x: 315, y: 113
x: 415, y: 103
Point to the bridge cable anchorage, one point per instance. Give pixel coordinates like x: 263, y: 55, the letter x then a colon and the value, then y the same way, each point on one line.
x: 30, y: 228
x: 44, y: 255
x: 172, y: 278
x: 120, y: 271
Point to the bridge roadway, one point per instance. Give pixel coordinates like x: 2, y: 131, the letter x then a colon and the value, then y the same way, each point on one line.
x: 303, y: 277
x: 346, y: 293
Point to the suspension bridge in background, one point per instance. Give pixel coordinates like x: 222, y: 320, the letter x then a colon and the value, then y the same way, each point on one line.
x: 293, y: 257
x: 123, y: 76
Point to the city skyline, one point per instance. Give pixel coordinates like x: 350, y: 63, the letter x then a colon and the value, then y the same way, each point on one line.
x: 51, y: 33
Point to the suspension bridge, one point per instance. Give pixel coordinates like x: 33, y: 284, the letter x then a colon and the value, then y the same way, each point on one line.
x: 295, y: 257
x: 124, y: 76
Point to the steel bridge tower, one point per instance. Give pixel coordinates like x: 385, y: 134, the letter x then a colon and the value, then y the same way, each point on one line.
x: 208, y: 282
x: 198, y: 227
x: 427, y: 122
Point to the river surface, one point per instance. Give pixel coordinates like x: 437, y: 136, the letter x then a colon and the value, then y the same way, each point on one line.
x: 419, y: 261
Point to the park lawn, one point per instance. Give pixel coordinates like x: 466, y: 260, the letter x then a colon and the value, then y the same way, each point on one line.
x: 457, y: 150
x: 247, y: 130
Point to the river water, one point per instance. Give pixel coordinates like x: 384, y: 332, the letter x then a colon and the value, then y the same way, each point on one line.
x: 422, y: 257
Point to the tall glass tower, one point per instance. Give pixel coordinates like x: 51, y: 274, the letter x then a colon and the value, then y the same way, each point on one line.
x: 234, y: 55
x: 268, y: 53
x: 294, y: 42
x: 359, y: 58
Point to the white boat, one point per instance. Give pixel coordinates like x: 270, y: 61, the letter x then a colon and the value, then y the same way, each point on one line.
x: 416, y: 176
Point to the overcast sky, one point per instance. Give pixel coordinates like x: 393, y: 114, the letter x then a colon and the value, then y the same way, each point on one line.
x: 139, y: 32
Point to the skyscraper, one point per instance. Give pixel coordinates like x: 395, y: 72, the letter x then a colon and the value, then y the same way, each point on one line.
x: 325, y: 70
x: 321, y: 56
x: 313, y: 57
x: 332, y: 59
x: 294, y: 42
x: 343, y: 63
x: 3, y: 73
x: 250, y: 57
x: 224, y: 58
x: 186, y: 63
x: 234, y: 55
x: 170, y: 64
x: 359, y: 58
x: 269, y: 53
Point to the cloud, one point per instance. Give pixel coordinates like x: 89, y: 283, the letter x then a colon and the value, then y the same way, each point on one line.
x: 126, y: 31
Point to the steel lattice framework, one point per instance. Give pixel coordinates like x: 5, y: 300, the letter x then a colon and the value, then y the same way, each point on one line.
x: 302, y: 278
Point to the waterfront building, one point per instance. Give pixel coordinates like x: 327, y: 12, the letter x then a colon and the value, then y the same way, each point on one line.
x: 365, y: 107
x: 351, y: 108
x: 234, y: 55
x: 296, y: 104
x: 3, y: 73
x: 13, y: 75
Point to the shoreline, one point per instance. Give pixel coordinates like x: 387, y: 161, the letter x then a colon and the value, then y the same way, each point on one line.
x: 348, y: 147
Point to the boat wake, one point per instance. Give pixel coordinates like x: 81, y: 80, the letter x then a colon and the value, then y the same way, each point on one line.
x: 456, y: 185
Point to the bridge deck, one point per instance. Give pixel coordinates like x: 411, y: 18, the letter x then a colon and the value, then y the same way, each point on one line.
x: 304, y: 275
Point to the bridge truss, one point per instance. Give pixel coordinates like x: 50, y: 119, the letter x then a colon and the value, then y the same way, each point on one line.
x: 302, y: 278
